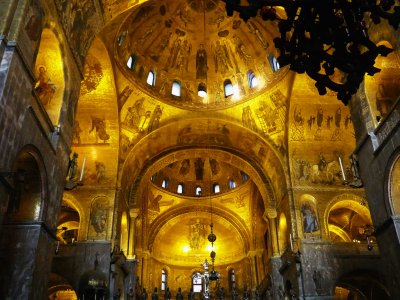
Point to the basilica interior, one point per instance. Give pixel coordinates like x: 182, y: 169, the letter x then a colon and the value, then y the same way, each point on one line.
x: 159, y: 146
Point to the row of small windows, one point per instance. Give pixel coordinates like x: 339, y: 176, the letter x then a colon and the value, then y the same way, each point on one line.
x: 216, y: 187
x: 198, y: 190
x: 229, y: 89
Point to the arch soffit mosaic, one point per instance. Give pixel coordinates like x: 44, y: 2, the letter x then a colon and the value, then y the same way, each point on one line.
x: 237, y: 146
x: 350, y: 201
x: 235, y: 221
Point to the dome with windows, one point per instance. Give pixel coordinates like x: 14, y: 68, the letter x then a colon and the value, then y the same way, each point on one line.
x: 191, y: 55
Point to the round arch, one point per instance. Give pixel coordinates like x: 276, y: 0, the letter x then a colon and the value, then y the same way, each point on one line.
x: 392, y: 189
x: 350, y: 202
x: 75, y: 204
x: 361, y: 284
x: 232, y: 143
x: 237, y: 223
x: 59, y: 287
x: 31, y: 186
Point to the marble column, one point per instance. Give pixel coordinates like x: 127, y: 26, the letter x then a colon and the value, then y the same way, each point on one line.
x: 133, y: 214
x: 274, y: 236
x: 253, y: 269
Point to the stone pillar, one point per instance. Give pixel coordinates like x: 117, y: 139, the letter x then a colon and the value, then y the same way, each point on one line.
x: 145, y: 272
x: 25, y: 256
x: 274, y: 237
x: 252, y: 255
x: 131, y: 278
x: 133, y: 213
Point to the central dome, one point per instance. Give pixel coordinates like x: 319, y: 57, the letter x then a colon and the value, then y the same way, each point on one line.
x: 171, y: 48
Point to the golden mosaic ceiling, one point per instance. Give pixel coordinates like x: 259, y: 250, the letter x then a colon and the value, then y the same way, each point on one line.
x: 194, y: 42
x: 199, y: 172
x: 183, y: 240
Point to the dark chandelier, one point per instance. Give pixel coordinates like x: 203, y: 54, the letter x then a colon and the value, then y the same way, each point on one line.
x: 212, y: 238
x: 325, y: 37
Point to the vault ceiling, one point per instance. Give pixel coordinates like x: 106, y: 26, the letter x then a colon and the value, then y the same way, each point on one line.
x: 194, y: 42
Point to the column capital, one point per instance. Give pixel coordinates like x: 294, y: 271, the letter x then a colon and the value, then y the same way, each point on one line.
x: 270, y: 213
x: 134, y: 212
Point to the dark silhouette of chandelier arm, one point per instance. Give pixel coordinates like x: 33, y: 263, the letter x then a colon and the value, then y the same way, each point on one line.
x: 325, y: 38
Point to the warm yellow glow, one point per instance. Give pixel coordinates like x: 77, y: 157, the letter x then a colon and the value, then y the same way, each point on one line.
x: 283, y: 236
x: 339, y: 232
x: 236, y: 93
x: 94, y: 153
x: 186, y: 248
x: 124, y: 232
x: 211, y: 248
x: 49, y: 75
x: 282, y: 222
x: 124, y: 220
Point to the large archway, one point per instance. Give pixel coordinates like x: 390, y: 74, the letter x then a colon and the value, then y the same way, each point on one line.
x: 362, y: 285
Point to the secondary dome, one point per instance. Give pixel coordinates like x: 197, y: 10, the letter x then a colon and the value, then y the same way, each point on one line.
x: 171, y: 49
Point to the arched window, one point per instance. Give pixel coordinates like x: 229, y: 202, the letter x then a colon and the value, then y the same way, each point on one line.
x: 26, y: 203
x: 273, y: 61
x: 244, y: 176
x: 251, y: 77
x: 153, y: 177
x: 196, y: 282
x: 68, y: 224
x: 216, y: 188
x: 179, y: 190
x: 165, y: 183
x: 124, y: 232
x: 121, y: 38
x: 131, y: 62
x: 164, y: 279
x: 231, y: 184
x: 228, y: 88
x: 198, y: 191
x: 151, y: 78
x: 232, y: 279
x: 176, y: 88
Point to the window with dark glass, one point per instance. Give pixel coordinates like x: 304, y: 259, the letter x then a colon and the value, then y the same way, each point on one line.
x: 165, y: 183
x: 231, y: 184
x: 252, y: 79
x: 273, y: 61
